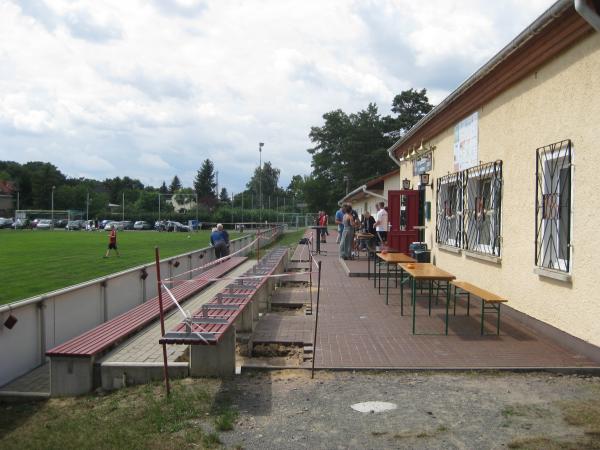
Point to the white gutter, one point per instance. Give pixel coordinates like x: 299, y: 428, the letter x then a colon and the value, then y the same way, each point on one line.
x: 547, y: 17
x: 362, y: 188
x: 592, y: 17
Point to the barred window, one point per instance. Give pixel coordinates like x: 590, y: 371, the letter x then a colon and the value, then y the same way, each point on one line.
x: 483, y: 200
x: 449, y: 210
x: 553, y: 206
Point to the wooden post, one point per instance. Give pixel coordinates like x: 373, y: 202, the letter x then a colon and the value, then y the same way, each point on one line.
x: 162, y: 320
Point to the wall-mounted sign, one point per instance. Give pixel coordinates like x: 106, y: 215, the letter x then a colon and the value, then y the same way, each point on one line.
x: 423, y: 164
x: 466, y: 143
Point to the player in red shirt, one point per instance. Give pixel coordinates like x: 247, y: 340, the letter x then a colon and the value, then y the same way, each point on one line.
x: 112, y: 241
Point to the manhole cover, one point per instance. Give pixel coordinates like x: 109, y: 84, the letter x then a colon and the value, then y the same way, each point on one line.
x: 374, y: 407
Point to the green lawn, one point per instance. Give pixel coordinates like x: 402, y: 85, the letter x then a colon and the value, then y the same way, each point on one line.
x: 34, y: 262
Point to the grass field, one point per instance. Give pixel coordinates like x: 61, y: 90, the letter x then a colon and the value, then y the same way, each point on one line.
x: 34, y: 262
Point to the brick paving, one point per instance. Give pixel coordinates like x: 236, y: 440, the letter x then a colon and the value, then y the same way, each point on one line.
x: 284, y: 329
x: 357, y: 329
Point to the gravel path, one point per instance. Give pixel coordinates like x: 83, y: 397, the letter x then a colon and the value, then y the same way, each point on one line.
x: 288, y: 410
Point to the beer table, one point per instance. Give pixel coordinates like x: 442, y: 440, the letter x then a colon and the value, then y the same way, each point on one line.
x: 392, y: 258
x: 426, y: 272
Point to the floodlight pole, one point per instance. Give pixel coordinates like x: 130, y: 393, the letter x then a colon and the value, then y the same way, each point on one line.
x: 260, y: 146
x: 52, y: 202
x: 87, y: 206
x: 123, y: 214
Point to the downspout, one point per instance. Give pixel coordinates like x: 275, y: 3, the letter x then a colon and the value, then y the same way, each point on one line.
x: 392, y: 155
x: 592, y: 17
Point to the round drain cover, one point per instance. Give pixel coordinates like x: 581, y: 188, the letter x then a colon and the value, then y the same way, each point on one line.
x: 374, y: 407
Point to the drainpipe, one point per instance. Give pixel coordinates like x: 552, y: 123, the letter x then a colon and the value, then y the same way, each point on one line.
x: 592, y: 17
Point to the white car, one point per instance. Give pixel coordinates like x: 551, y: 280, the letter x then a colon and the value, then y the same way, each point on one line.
x: 118, y: 226
x: 44, y: 224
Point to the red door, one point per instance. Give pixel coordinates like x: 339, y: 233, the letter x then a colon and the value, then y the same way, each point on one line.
x: 403, y: 216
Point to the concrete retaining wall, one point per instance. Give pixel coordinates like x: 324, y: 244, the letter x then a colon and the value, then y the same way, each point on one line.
x: 48, y: 320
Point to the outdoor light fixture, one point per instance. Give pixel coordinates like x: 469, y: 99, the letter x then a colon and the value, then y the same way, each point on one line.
x: 406, y: 184
x: 143, y: 274
x: 413, y: 153
x: 10, y: 322
x: 424, y: 179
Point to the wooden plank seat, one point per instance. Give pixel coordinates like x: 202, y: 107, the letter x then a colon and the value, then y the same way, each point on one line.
x: 106, y: 335
x: 489, y: 300
x: 227, y: 305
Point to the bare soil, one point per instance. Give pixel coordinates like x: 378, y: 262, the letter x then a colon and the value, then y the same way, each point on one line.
x: 288, y: 410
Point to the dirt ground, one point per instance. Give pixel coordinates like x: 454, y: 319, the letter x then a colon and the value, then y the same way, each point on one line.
x: 287, y: 410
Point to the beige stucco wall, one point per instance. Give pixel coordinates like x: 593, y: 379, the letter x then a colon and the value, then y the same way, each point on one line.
x: 560, y: 101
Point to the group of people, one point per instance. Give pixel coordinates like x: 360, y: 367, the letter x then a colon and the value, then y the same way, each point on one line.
x: 348, y: 223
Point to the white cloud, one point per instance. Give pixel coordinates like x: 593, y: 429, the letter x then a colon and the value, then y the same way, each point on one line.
x: 151, y: 89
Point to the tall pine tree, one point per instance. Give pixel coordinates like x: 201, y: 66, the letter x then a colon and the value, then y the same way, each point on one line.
x: 175, y: 185
x: 204, y: 183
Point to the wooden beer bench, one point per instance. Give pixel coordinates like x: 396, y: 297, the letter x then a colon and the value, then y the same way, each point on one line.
x: 489, y: 301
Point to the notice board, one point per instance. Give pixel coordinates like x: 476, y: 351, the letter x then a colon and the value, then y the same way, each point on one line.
x: 466, y: 143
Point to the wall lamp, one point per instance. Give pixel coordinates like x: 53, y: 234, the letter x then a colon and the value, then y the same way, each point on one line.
x: 406, y: 184
x: 424, y: 180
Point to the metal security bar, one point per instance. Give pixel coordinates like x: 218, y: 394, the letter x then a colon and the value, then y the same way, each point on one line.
x: 483, y: 200
x: 448, y: 228
x: 553, y: 206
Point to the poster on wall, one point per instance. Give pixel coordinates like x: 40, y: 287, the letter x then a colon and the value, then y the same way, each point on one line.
x: 466, y: 143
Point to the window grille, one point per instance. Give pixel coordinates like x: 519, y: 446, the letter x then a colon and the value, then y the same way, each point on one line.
x: 448, y: 229
x: 553, y: 206
x: 483, y: 200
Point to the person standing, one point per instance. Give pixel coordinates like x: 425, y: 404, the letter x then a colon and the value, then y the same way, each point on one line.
x: 339, y: 217
x: 381, y: 223
x: 347, y: 234
x: 112, y: 242
x: 323, y: 223
x: 219, y: 239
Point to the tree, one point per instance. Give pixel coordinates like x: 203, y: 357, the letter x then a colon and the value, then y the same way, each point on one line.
x: 204, y: 183
x: 347, y: 146
x: 296, y: 187
x: 224, y: 196
x: 411, y: 106
x: 175, y: 185
x: 265, y: 180
x: 163, y: 189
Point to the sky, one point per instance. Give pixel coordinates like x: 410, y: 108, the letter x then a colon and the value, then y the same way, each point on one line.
x: 150, y: 89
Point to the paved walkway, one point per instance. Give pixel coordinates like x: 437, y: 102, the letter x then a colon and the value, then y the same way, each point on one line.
x: 356, y: 329
x: 144, y: 348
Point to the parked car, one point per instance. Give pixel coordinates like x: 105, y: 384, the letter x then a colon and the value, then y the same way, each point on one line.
x: 142, y: 225
x: 160, y: 225
x: 20, y: 223
x: 5, y: 223
x: 117, y: 225
x: 74, y: 225
x: 61, y: 223
x: 171, y: 225
x: 89, y: 225
x: 44, y: 224
x: 103, y: 223
x: 127, y: 224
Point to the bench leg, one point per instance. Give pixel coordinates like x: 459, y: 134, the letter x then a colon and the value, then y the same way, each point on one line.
x: 447, y: 304
x: 214, y: 360
x: 430, y: 293
x: 498, y: 324
x: 468, y: 303
x: 71, y: 376
x: 482, y: 315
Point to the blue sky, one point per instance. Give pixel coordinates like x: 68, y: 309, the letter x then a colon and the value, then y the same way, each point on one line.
x: 150, y: 89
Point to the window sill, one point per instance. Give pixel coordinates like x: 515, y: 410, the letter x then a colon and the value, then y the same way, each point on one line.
x: 554, y: 274
x: 449, y: 248
x: 483, y: 257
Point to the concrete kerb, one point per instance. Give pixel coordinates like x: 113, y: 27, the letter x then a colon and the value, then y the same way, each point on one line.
x: 116, y: 375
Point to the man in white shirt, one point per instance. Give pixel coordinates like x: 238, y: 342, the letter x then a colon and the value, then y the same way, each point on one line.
x: 381, y: 223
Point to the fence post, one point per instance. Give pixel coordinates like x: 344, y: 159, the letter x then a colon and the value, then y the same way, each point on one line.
x: 312, y: 374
